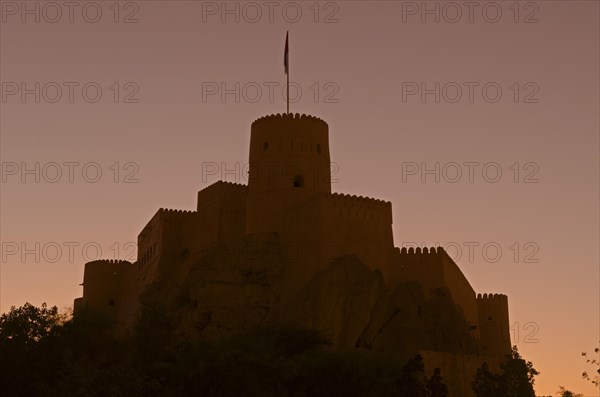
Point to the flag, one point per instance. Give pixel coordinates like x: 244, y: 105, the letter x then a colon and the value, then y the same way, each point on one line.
x: 286, y: 56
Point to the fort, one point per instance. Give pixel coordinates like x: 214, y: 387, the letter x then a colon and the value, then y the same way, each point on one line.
x: 286, y: 249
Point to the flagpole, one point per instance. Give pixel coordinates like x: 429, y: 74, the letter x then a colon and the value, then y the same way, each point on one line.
x: 286, y: 65
x: 288, y: 72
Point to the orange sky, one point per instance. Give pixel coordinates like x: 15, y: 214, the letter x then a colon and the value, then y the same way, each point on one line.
x: 422, y: 113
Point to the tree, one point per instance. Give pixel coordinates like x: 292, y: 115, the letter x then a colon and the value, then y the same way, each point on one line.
x: 486, y: 383
x: 595, y: 362
x: 28, y: 348
x: 567, y: 393
x: 435, y: 385
x: 516, y: 378
x: 28, y: 325
x: 414, y: 382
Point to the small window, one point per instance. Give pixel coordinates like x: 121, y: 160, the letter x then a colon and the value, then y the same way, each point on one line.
x: 298, y: 181
x: 318, y: 148
x: 266, y: 146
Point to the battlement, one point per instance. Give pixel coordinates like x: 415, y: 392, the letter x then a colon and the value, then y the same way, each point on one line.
x: 173, y: 211
x: 175, y: 215
x: 104, y: 268
x: 276, y: 136
x: 488, y: 297
x: 346, y: 205
x: 419, y: 251
x: 353, y: 201
x: 108, y: 261
x: 287, y: 116
x: 222, y: 192
x: 225, y: 185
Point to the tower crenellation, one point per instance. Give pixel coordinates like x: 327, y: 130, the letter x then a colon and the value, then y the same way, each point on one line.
x: 296, y: 116
x: 498, y: 297
x: 107, y: 261
x: 170, y: 211
x: 419, y: 251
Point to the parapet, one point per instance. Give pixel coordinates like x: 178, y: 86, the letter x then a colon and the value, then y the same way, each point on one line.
x: 359, y: 207
x: 421, y: 259
x: 353, y: 200
x: 419, y: 251
x: 108, y: 262
x: 221, y: 191
x: 105, y: 267
x: 287, y: 116
x: 225, y: 185
x: 343, y: 206
x: 494, y: 305
x: 173, y: 211
x: 488, y: 297
x: 164, y: 214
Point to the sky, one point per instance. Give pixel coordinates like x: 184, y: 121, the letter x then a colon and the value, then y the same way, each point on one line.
x: 478, y: 120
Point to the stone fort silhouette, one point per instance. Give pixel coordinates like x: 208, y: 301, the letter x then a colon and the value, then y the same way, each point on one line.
x: 284, y: 248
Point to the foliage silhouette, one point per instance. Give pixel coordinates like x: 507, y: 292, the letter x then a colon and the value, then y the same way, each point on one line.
x: 595, y: 362
x: 45, y: 353
x: 516, y: 378
x: 563, y: 392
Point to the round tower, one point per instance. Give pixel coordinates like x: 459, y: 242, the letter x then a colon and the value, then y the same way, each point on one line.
x: 289, y: 164
x: 103, y: 285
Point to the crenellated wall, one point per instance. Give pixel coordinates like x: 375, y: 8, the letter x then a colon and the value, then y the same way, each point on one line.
x: 173, y: 231
x: 435, y: 269
x: 222, y: 208
x: 359, y: 207
x: 328, y: 226
x: 424, y: 265
x: 160, y: 239
x: 149, y: 243
x: 361, y: 226
x: 158, y: 244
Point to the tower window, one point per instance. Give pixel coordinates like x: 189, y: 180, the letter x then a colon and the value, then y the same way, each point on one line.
x: 298, y: 181
x: 318, y: 148
x: 265, y: 145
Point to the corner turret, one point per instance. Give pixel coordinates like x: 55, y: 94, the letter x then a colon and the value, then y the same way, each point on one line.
x: 493, y: 324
